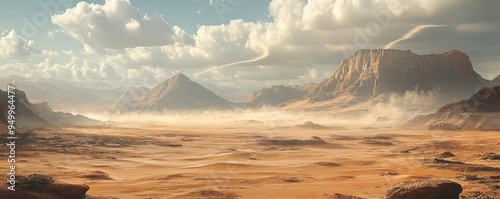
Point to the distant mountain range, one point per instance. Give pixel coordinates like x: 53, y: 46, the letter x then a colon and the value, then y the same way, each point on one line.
x: 175, y: 93
x: 278, y: 95
x: 480, y: 111
x: 364, y: 79
x: 28, y: 115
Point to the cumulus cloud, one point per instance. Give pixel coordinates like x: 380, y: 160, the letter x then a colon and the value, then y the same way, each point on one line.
x: 116, y: 25
x: 15, y: 46
x: 303, y: 41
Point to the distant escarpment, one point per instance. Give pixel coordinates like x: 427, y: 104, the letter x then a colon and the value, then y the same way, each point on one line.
x: 477, y: 112
x: 277, y: 95
x: 373, y: 74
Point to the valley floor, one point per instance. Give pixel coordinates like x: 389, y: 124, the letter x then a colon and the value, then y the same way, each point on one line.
x: 250, y: 161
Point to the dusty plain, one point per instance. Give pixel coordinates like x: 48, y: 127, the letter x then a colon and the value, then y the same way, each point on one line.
x: 253, y: 160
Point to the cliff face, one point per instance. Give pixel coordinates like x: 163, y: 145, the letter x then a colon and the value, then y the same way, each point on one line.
x: 368, y: 73
x: 26, y: 115
x: 40, y: 115
x: 277, y: 95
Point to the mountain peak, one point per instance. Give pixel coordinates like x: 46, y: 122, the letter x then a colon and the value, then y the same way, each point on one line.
x: 179, y: 75
x: 179, y: 92
x: 179, y: 78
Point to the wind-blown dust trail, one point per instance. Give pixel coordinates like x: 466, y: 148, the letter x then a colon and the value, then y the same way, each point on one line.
x: 412, y: 33
x: 265, y: 53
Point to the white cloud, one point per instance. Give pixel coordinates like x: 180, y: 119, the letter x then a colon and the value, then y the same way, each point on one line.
x: 115, y: 25
x: 15, y: 46
x: 304, y: 41
x: 53, y: 33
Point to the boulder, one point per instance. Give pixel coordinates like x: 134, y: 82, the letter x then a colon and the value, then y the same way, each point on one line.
x: 39, y: 186
x: 425, y: 189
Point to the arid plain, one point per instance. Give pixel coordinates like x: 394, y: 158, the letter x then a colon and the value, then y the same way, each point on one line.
x: 250, y: 159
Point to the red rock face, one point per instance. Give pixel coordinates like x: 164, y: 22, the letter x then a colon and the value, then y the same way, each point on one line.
x: 368, y: 73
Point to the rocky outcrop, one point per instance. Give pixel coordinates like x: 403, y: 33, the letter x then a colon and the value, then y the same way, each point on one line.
x: 180, y: 93
x: 128, y: 101
x: 67, y: 96
x: 477, y: 112
x: 370, y: 73
x: 485, y: 100
x: 25, y: 114
x: 40, y: 115
x: 425, y: 188
x: 277, y: 95
x: 42, y: 186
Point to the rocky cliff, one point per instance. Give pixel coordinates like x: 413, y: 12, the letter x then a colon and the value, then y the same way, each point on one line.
x: 369, y: 73
x: 25, y: 114
x: 479, y: 112
x: 29, y: 115
x: 277, y: 95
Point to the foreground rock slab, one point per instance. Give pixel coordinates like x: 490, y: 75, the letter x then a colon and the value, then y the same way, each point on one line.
x: 425, y: 189
x: 38, y: 186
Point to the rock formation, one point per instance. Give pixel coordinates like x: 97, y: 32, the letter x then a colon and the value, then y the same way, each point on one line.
x: 180, y: 93
x: 479, y: 111
x: 277, y: 95
x: 42, y: 186
x: 25, y: 114
x: 40, y: 115
x: 66, y: 95
x: 372, y: 74
x: 426, y: 188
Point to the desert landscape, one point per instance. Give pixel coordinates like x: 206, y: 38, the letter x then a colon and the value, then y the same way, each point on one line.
x: 258, y: 161
x: 234, y: 99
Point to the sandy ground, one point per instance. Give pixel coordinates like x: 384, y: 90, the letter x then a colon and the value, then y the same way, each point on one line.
x: 251, y: 161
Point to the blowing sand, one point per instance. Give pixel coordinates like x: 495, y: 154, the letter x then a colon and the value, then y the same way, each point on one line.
x: 252, y: 161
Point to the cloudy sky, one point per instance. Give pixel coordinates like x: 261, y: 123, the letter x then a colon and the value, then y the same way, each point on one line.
x: 238, y: 44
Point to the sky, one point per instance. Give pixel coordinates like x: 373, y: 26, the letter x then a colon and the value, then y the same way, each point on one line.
x: 240, y: 45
